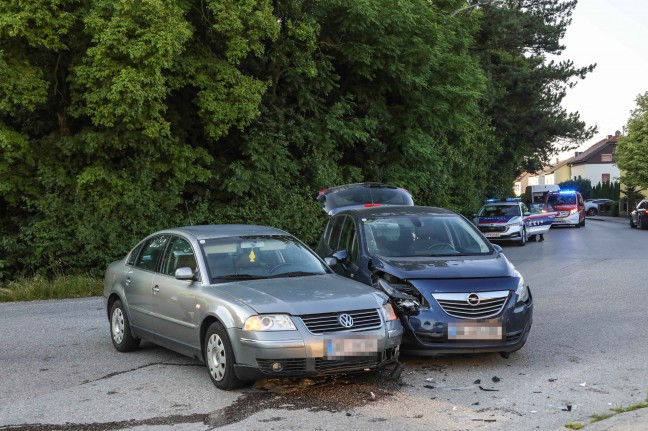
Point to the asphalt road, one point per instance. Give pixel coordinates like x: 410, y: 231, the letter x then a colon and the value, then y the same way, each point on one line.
x: 586, y: 353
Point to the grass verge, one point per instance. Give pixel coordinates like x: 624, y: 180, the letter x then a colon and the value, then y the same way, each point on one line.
x: 61, y: 287
x: 615, y: 411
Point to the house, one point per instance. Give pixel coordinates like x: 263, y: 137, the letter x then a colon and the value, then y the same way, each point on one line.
x: 595, y: 164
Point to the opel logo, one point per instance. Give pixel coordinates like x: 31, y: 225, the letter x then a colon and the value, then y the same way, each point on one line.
x: 345, y: 320
x: 473, y: 299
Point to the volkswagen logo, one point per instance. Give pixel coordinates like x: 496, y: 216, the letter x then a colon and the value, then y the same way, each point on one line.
x: 473, y: 299
x: 345, y: 320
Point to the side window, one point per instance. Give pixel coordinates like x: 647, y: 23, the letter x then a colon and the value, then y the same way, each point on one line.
x: 151, y: 251
x: 524, y: 209
x: 335, y: 228
x: 349, y: 240
x: 179, y: 254
x: 133, y: 255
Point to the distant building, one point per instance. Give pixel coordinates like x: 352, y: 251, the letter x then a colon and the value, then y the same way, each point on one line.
x: 595, y: 164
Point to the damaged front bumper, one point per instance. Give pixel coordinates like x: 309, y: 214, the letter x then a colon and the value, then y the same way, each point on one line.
x: 431, y: 332
x: 302, y: 354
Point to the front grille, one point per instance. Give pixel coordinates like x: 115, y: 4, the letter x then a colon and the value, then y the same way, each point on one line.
x: 328, y: 322
x: 324, y: 366
x: 457, y: 305
x: 492, y: 228
x: 290, y: 366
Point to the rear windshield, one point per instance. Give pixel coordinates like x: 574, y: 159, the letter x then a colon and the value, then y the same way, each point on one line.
x: 562, y: 199
x: 358, y: 196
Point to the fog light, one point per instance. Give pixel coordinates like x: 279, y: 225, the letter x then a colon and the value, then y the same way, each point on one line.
x: 277, y: 366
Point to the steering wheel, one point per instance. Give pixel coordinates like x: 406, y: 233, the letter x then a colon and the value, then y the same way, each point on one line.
x: 276, y: 267
x: 441, y: 245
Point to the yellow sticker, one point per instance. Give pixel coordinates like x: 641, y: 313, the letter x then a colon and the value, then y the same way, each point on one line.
x: 252, y: 256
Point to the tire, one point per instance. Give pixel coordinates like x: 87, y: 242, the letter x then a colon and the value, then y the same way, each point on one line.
x: 120, y: 330
x: 592, y: 212
x: 583, y: 222
x: 219, y: 358
x: 523, y: 237
x: 577, y: 225
x: 532, y: 238
x: 632, y: 225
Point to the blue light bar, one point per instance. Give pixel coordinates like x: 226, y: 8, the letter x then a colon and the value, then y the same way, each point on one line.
x: 492, y: 200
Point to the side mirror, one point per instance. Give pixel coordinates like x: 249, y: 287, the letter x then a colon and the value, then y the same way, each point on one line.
x: 497, y: 247
x: 331, y: 261
x: 184, y: 273
x: 341, y: 255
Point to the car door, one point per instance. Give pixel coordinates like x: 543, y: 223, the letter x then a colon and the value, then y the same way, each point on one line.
x: 331, y: 238
x: 638, y: 214
x: 138, y: 283
x: 349, y: 242
x: 174, y: 301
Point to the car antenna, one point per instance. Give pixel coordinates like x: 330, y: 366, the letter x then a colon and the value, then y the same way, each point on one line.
x: 188, y: 214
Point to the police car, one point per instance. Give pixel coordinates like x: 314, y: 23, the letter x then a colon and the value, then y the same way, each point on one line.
x: 511, y: 220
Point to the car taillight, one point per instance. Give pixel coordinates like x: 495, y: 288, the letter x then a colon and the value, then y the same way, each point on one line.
x: 646, y: 212
x: 323, y: 190
x: 371, y: 205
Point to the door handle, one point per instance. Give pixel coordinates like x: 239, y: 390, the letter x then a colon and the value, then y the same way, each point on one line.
x: 128, y: 280
x: 156, y: 289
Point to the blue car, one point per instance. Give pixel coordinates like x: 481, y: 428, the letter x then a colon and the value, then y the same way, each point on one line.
x: 453, y: 290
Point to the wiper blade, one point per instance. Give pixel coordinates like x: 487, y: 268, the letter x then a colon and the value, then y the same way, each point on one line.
x: 239, y: 277
x: 295, y: 274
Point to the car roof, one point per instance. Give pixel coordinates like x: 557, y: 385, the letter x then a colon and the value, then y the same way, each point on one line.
x: 224, y: 230
x: 396, y: 210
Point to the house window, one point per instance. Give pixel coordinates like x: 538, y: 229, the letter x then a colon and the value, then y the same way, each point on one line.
x: 606, y: 158
x: 605, y: 178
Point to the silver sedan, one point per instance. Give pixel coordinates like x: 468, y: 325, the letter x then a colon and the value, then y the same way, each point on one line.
x: 250, y: 302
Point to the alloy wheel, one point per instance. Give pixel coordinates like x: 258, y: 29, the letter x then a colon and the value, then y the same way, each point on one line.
x: 118, y: 325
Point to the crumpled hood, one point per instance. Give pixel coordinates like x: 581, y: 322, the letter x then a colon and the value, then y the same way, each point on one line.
x: 497, y: 220
x: 304, y: 295
x: 448, y: 267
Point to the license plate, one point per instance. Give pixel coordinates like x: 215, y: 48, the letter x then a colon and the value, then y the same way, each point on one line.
x: 492, y: 235
x: 559, y: 221
x: 339, y: 347
x: 489, y: 330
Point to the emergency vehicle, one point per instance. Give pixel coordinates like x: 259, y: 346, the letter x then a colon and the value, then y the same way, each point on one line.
x: 570, y: 206
x: 511, y: 220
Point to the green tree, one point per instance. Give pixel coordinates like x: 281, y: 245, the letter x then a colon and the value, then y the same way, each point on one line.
x: 632, y: 150
x: 514, y: 45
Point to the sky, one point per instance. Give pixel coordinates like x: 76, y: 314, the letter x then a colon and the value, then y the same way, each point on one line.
x: 614, y: 35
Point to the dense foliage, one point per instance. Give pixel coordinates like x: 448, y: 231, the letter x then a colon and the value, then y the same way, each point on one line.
x: 121, y: 117
x: 632, y: 151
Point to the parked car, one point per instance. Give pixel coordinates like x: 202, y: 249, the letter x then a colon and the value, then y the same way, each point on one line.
x: 249, y: 301
x: 510, y: 219
x: 335, y: 199
x: 453, y: 290
x: 593, y: 206
x: 570, y: 207
x: 639, y: 215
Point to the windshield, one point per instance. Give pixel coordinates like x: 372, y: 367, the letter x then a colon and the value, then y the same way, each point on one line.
x: 562, y: 199
x: 423, y: 235
x: 267, y: 256
x: 499, y: 210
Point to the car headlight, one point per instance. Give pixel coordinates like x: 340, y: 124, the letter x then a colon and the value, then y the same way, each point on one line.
x: 269, y: 322
x: 388, y: 312
x: 522, y: 291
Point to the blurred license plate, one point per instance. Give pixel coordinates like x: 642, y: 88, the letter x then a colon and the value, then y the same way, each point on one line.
x: 492, y: 235
x: 489, y: 330
x: 339, y: 347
